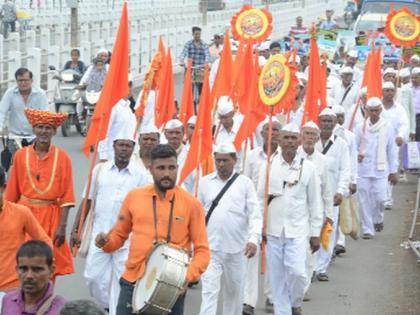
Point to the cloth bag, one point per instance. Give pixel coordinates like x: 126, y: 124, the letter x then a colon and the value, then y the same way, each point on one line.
x: 349, y: 217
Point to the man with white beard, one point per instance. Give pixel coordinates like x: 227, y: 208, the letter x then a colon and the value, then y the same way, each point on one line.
x: 337, y: 153
x: 378, y: 164
x: 310, y: 136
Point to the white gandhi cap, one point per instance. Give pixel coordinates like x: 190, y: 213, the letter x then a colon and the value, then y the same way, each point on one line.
x: 346, y: 70
x: 389, y: 71
x: 405, y: 72
x: 291, y: 127
x: 310, y: 124
x: 388, y: 85
x: 224, y: 105
x: 173, y: 124
x: 415, y: 71
x: 150, y: 128
x: 374, y: 102
x: 225, y: 147
x: 338, y: 109
x: 327, y: 112
x: 192, y: 120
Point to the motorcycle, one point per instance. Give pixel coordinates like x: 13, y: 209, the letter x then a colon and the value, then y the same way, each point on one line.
x: 89, y: 100
x: 65, y: 99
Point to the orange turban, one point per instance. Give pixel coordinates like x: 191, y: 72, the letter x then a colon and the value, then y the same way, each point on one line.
x: 38, y: 117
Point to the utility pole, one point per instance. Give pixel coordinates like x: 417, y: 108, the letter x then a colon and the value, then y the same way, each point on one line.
x: 74, y: 31
x: 204, y: 8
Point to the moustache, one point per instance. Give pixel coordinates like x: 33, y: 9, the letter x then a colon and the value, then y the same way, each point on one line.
x: 29, y: 282
x: 166, y: 178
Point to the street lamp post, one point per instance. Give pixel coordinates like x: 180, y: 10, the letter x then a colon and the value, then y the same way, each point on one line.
x: 74, y: 32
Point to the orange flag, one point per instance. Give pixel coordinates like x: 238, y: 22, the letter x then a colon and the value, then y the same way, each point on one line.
x: 372, y: 77
x: 165, y: 105
x: 242, y: 84
x: 255, y: 109
x: 313, y: 89
x: 115, y: 86
x: 224, y: 77
x: 187, y: 105
x: 202, y: 141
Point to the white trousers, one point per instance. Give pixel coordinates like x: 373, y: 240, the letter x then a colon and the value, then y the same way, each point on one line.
x: 310, y: 266
x: 341, y: 238
x: 372, y: 193
x: 389, y: 201
x: 252, y: 279
x: 324, y: 256
x: 227, y: 270
x: 286, y: 258
x: 102, y: 274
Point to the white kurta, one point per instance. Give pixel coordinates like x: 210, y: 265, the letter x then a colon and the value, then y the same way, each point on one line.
x: 349, y: 99
x: 103, y: 270
x: 350, y: 139
x: 338, y: 160
x: 397, y: 118
x: 122, y: 119
x: 294, y: 215
x: 371, y: 181
x: 236, y: 214
x: 359, y: 116
x: 405, y: 98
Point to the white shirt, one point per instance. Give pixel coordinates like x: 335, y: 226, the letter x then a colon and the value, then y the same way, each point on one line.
x: 359, y: 117
x: 351, y: 97
x: 397, y: 117
x: 296, y: 209
x: 405, y: 98
x: 368, y: 166
x: 87, y: 73
x: 332, y: 83
x: 320, y: 162
x: 350, y: 139
x: 136, y: 159
x: 236, y: 217
x: 256, y: 160
x: 338, y: 161
x: 122, y: 119
x: 224, y: 136
x: 112, y: 187
x: 296, y: 116
x: 213, y: 72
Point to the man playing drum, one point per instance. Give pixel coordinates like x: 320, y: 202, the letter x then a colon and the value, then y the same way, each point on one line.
x: 146, y: 213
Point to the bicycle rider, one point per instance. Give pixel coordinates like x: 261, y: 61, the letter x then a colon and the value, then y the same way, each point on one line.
x: 198, y: 51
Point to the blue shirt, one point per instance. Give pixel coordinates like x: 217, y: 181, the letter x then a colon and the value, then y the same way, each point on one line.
x: 328, y: 25
x: 12, y: 106
x: 200, y: 54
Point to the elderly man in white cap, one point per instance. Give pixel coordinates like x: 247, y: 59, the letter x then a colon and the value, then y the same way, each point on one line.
x: 310, y: 136
x: 234, y: 225
x: 111, y: 182
x: 337, y: 153
x: 358, y: 110
x: 264, y: 49
x: 192, y: 121
x: 149, y: 138
x: 378, y: 164
x: 415, y: 93
x: 294, y: 219
x: 347, y: 92
x: 350, y: 139
x: 229, y: 122
x: 257, y: 159
x: 390, y: 75
x: 397, y: 118
x: 350, y: 61
x: 415, y: 61
x: 174, y: 133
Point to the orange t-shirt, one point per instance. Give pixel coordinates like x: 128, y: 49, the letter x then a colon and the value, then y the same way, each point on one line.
x: 15, y: 222
x: 136, y: 217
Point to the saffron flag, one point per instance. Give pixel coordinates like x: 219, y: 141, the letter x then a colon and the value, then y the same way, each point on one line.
x: 115, y: 87
x: 202, y: 141
x: 187, y: 106
x: 255, y: 109
x: 313, y: 88
x: 165, y: 105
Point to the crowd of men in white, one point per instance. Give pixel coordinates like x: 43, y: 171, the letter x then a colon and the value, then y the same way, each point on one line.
x: 313, y: 168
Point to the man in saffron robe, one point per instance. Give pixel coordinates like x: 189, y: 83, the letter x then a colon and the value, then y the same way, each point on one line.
x: 41, y: 179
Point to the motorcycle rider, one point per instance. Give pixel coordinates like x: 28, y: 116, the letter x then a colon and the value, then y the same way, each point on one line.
x: 75, y: 64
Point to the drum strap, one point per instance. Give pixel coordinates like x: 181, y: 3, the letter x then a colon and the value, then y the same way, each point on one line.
x: 171, y: 215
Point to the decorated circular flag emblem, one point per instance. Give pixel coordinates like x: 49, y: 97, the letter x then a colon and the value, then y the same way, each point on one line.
x: 403, y: 27
x: 274, y: 80
x: 251, y: 23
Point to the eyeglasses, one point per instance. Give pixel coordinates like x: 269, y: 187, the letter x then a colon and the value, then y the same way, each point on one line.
x: 23, y: 80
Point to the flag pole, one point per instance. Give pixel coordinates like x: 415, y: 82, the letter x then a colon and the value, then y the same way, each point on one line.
x: 245, y: 155
x: 89, y: 183
x: 197, y: 177
x: 267, y: 182
x: 353, y: 115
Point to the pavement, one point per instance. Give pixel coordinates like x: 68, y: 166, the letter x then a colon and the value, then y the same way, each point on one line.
x: 375, y: 276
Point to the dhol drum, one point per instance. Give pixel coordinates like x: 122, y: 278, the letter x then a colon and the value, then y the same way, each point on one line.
x: 166, y: 271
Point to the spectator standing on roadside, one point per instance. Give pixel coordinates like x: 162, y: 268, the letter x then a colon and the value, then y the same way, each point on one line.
x: 8, y: 14
x: 298, y: 29
x: 328, y: 24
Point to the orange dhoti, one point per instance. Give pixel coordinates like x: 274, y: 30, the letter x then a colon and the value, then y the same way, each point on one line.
x: 46, y: 187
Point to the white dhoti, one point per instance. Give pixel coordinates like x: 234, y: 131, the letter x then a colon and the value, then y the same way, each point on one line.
x: 251, y: 279
x: 227, y: 270
x: 310, y: 265
x: 372, y: 193
x: 341, y: 238
x: 102, y: 274
x: 286, y: 259
x: 324, y: 256
x: 389, y: 201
